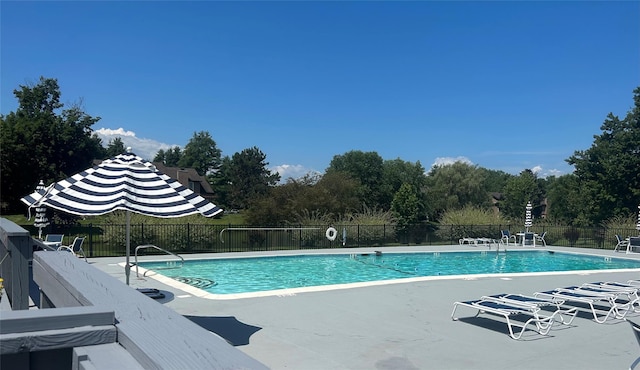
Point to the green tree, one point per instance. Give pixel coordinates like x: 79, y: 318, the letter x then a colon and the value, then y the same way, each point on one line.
x: 201, y: 153
x: 334, y: 193
x: 405, y: 207
x: 518, y: 191
x: 332, y: 196
x: 170, y: 157
x: 396, y: 173
x: 365, y: 167
x: 43, y: 141
x: 563, y: 199
x: 494, y: 180
x: 248, y: 177
x: 607, y: 172
x: 454, y: 186
x: 115, y: 147
x: 280, y: 204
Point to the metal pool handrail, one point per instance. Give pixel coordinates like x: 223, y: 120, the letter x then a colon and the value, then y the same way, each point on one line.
x: 157, y: 268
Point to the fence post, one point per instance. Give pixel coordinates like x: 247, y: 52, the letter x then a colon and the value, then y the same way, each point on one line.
x: 384, y: 234
x: 189, y: 236
x: 91, y: 240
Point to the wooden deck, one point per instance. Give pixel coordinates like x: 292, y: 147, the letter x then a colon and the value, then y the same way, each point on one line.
x: 88, y: 319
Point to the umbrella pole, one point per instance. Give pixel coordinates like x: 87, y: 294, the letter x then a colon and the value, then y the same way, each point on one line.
x: 127, y: 267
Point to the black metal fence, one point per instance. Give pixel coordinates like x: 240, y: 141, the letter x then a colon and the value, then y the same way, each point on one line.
x: 110, y: 240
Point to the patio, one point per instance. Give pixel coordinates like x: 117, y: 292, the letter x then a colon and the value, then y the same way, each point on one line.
x: 408, y: 325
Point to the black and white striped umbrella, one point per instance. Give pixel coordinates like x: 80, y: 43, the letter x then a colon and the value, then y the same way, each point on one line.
x: 528, y: 219
x: 125, y: 182
x: 638, y: 224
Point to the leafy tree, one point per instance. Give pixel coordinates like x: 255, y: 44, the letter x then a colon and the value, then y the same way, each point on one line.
x: 170, y: 157
x: 42, y: 141
x: 563, y: 199
x: 518, y: 191
x: 201, y: 153
x: 220, y: 181
x: 334, y: 193
x: 494, y: 180
x: 115, y: 147
x: 607, y: 172
x: 396, y: 173
x: 405, y: 207
x: 330, y: 197
x: 365, y: 167
x: 454, y: 186
x: 279, y: 205
x: 248, y: 177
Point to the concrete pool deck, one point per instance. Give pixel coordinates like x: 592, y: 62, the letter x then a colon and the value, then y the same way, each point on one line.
x: 405, y: 325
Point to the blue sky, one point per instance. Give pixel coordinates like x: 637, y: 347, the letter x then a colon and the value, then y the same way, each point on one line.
x: 506, y: 85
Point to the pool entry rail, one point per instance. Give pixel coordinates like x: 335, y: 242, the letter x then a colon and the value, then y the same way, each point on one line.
x: 169, y: 267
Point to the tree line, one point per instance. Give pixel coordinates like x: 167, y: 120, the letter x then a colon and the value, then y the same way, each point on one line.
x: 44, y: 140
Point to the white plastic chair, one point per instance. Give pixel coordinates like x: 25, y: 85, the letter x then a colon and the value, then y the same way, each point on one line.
x: 540, y: 238
x: 634, y: 242
x: 53, y: 240
x: 621, y: 243
x: 75, y: 248
x: 506, y: 236
x: 528, y: 239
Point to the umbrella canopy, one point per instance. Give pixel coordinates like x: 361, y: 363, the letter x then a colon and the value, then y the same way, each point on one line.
x: 41, y: 221
x: 125, y: 182
x: 528, y: 219
x: 638, y: 224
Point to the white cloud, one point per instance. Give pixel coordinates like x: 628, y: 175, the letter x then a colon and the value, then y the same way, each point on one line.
x: 119, y: 132
x: 145, y: 148
x: 294, y: 171
x: 542, y: 173
x: 554, y: 172
x: 444, y: 161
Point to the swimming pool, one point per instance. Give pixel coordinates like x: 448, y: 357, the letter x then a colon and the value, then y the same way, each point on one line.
x: 259, y: 274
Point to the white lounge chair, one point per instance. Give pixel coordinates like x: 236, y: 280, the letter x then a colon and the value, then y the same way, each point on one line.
x: 507, y: 310
x: 621, y: 289
x: 591, y: 298
x: 75, y: 248
x: 521, y: 299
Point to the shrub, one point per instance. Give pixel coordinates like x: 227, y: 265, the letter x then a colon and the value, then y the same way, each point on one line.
x: 379, y: 224
x: 572, y: 234
x: 469, y: 222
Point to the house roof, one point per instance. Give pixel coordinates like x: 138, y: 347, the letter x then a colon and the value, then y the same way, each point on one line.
x: 184, y: 175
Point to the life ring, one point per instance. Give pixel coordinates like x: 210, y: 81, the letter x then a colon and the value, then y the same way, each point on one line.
x: 331, y: 234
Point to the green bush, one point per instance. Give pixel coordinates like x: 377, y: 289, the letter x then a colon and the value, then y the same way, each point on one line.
x: 469, y: 222
x: 380, y: 224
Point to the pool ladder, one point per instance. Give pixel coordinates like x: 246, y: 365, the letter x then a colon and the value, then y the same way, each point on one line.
x: 169, y: 267
x: 504, y: 249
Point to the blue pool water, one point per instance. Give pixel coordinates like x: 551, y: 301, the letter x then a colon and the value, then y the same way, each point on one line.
x: 254, y: 274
